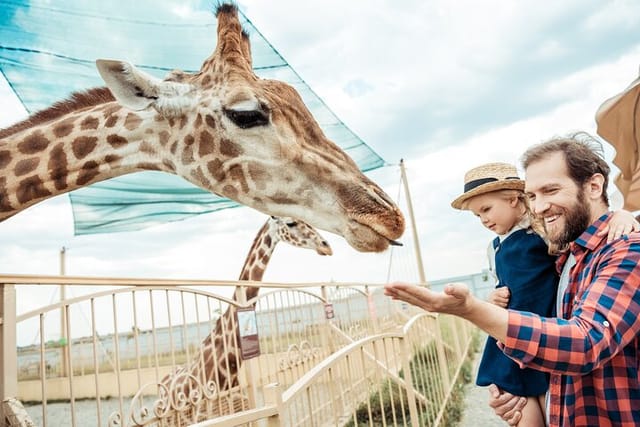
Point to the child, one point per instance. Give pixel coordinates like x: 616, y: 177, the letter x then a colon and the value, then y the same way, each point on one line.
x: 495, y: 194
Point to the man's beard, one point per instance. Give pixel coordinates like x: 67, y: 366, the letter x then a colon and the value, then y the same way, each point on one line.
x: 577, y: 219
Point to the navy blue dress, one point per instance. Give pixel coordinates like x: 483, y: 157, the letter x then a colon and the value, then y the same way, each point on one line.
x: 525, y: 267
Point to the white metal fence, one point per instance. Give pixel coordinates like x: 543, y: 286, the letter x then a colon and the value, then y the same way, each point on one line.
x: 166, y: 352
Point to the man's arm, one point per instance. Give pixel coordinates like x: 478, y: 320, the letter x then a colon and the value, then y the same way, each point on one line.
x: 456, y: 299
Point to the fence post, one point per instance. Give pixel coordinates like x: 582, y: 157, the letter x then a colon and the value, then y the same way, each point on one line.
x: 8, y: 346
x: 408, y: 379
x: 442, y: 356
x: 327, y: 341
x: 273, y: 396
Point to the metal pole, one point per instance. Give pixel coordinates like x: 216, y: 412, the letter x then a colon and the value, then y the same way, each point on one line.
x: 64, y: 339
x: 8, y: 346
x: 416, y: 245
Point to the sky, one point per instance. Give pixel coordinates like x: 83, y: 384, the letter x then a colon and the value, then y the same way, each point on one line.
x: 444, y: 85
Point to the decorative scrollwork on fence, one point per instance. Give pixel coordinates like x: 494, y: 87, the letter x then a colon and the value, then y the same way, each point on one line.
x: 297, y: 355
x: 180, y: 398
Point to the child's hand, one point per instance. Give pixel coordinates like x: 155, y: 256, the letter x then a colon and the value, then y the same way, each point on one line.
x: 500, y: 297
x: 622, y: 222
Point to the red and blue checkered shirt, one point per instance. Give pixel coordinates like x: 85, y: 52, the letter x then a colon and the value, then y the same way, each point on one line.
x: 593, y: 351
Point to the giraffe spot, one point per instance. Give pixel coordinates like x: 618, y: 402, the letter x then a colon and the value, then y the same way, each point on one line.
x: 260, y: 253
x: 206, y: 80
x: 63, y: 128
x: 256, y: 270
x: 216, y: 169
x: 5, y: 158
x: 237, y: 175
x: 198, y: 175
x: 211, y: 122
x: 34, y: 143
x: 5, y: 206
x: 207, y: 144
x: 58, y: 167
x: 112, y: 159
x: 230, y: 192
x: 89, y: 123
x: 25, y: 166
x: 170, y: 165
x: 174, y: 147
x: 183, y: 121
x: 198, y: 121
x: 187, y: 155
x: 110, y: 109
x: 189, y: 140
x: 281, y: 198
x: 31, y: 188
x: 89, y: 171
x: 267, y: 240
x: 111, y: 121
x: 132, y: 121
x: 145, y: 147
x: 172, y: 122
x: 259, y: 175
x: 229, y: 148
x: 164, y: 137
x: 116, y: 141
x: 83, y: 145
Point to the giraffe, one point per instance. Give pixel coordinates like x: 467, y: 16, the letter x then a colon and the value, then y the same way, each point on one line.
x: 218, y: 360
x: 222, y: 128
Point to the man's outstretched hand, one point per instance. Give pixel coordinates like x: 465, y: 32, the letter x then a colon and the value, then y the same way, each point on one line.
x: 455, y: 299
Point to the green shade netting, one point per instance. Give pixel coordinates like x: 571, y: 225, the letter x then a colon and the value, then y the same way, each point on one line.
x: 48, y: 50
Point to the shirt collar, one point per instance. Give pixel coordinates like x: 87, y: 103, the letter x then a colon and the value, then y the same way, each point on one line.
x: 589, y: 238
x: 522, y: 225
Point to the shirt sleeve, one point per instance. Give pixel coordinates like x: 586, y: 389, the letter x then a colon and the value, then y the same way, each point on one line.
x: 604, y: 319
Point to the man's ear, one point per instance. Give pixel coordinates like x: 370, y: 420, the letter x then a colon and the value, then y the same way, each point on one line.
x: 594, y: 186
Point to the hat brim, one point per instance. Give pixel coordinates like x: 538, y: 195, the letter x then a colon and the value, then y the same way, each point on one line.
x: 505, y: 184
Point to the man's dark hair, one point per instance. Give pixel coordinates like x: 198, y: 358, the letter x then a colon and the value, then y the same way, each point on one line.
x: 581, y: 154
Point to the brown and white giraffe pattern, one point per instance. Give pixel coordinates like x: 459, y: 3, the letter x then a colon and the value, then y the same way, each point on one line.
x: 218, y: 360
x: 222, y: 128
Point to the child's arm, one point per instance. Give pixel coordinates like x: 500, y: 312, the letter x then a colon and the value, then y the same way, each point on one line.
x: 622, y: 222
x: 500, y: 297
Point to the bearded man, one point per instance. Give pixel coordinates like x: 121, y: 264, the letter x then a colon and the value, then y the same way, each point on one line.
x: 592, y: 350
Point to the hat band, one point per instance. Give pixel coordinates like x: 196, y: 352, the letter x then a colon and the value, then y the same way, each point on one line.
x: 478, y: 182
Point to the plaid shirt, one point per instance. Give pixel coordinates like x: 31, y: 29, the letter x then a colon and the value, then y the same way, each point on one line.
x: 593, y: 352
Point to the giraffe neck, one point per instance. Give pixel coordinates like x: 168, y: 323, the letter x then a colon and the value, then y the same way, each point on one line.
x: 78, y: 149
x: 220, y: 360
x: 257, y: 259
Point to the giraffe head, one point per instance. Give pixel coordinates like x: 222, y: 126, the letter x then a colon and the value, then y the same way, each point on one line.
x: 299, y: 234
x: 254, y: 141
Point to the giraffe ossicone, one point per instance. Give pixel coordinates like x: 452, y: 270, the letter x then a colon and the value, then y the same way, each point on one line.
x: 223, y: 129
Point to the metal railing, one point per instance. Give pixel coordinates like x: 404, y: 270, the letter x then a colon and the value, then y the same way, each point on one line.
x: 133, y: 355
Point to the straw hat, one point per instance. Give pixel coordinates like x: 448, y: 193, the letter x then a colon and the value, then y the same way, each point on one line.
x: 487, y: 178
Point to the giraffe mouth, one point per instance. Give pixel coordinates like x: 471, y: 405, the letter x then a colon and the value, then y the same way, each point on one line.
x: 365, y: 238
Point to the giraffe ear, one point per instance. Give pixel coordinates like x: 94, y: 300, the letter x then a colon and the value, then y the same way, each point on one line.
x: 132, y: 88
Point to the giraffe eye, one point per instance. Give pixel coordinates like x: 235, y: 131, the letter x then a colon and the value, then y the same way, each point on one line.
x: 292, y: 224
x: 247, y: 119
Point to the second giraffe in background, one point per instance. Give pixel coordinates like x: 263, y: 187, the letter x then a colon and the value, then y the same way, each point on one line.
x: 218, y: 360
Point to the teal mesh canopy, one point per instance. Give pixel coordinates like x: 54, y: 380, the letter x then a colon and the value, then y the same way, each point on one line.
x: 48, y: 50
